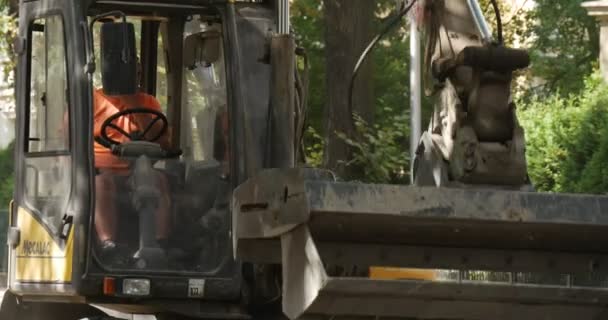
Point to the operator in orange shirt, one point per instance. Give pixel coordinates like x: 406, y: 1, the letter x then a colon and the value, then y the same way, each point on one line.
x: 108, y: 166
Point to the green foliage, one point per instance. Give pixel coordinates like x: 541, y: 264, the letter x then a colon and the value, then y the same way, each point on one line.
x: 6, y: 176
x: 565, y: 44
x: 379, y: 155
x: 509, y: 33
x: 8, y: 31
x: 567, y: 139
x: 563, y: 41
x: 565, y: 144
x: 308, y: 22
x: 314, y: 146
x: 388, y: 135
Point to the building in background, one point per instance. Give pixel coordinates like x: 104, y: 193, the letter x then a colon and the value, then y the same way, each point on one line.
x: 599, y: 10
x: 7, y: 107
x: 7, y: 130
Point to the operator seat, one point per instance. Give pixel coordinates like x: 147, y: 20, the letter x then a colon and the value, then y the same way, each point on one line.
x: 120, y: 77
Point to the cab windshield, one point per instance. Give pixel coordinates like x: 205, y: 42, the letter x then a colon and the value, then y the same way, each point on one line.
x: 165, y: 213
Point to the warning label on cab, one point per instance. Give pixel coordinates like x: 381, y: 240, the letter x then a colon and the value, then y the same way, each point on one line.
x: 196, y: 288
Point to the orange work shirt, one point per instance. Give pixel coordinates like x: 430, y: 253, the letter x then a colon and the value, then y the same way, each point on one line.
x: 105, y: 106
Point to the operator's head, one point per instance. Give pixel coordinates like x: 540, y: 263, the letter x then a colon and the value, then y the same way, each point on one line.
x: 119, y: 63
x: 138, y: 82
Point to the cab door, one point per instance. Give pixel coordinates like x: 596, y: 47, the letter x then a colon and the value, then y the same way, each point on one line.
x: 48, y: 197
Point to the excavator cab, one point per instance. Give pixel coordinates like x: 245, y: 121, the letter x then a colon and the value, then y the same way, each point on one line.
x: 160, y: 207
x: 139, y: 118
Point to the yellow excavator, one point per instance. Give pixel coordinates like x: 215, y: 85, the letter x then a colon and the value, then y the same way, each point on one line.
x: 218, y: 71
x: 250, y: 234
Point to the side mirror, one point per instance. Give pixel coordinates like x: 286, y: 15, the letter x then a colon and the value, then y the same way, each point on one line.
x: 202, y: 48
x: 118, y: 58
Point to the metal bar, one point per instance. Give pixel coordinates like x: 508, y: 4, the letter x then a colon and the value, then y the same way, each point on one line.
x: 445, y: 258
x: 303, y: 272
x: 174, y: 34
x: 433, y: 300
x: 276, y: 201
x: 149, y: 55
x: 480, y: 21
x: 415, y: 93
x: 282, y: 61
x: 283, y: 20
x: 489, y: 219
x: 448, y: 203
x: 323, y: 223
x: 541, y: 294
x: 150, y: 4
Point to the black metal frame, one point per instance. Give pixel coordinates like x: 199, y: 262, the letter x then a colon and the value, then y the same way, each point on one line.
x: 29, y: 11
x: 149, y: 48
x: 242, y: 36
x: 27, y: 118
x: 282, y: 216
x: 227, y: 282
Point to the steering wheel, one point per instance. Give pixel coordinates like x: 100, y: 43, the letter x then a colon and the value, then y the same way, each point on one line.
x: 138, y: 135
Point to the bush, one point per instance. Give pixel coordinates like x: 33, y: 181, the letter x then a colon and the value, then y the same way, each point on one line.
x: 380, y: 152
x: 313, y: 147
x: 567, y: 140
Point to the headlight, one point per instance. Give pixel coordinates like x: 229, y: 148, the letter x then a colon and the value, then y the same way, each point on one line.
x: 136, y: 287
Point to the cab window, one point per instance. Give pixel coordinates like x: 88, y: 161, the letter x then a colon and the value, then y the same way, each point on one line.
x: 191, y: 223
x: 161, y: 73
x: 205, y: 112
x: 47, y: 159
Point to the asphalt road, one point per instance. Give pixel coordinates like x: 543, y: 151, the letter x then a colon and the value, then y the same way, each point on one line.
x: 133, y: 317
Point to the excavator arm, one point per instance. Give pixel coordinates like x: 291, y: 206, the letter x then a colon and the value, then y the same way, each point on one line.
x: 474, y: 137
x: 468, y: 242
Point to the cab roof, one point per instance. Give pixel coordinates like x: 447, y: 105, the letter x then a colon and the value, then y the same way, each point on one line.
x: 176, y: 2
x: 162, y: 6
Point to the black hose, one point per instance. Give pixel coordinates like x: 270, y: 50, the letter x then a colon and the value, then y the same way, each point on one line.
x: 501, y: 39
x: 389, y: 25
x: 302, y: 81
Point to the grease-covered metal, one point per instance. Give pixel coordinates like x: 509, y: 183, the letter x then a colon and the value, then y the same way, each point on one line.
x: 545, y: 251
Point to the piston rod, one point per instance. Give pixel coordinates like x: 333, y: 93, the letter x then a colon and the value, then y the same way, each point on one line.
x: 480, y: 21
x: 283, y: 18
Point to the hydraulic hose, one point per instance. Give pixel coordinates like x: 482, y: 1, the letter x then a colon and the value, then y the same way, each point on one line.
x: 388, y: 27
x: 498, y: 22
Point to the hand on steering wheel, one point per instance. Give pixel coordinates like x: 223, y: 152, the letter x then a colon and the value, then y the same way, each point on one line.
x: 138, y: 135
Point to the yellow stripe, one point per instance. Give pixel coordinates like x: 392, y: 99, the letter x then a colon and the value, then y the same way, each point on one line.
x: 10, y: 212
x: 39, y: 258
x: 384, y: 273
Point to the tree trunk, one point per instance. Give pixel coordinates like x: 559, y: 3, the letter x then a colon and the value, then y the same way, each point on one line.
x: 348, y: 30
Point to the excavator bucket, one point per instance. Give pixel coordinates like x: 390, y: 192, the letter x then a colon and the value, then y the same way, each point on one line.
x: 351, y: 249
